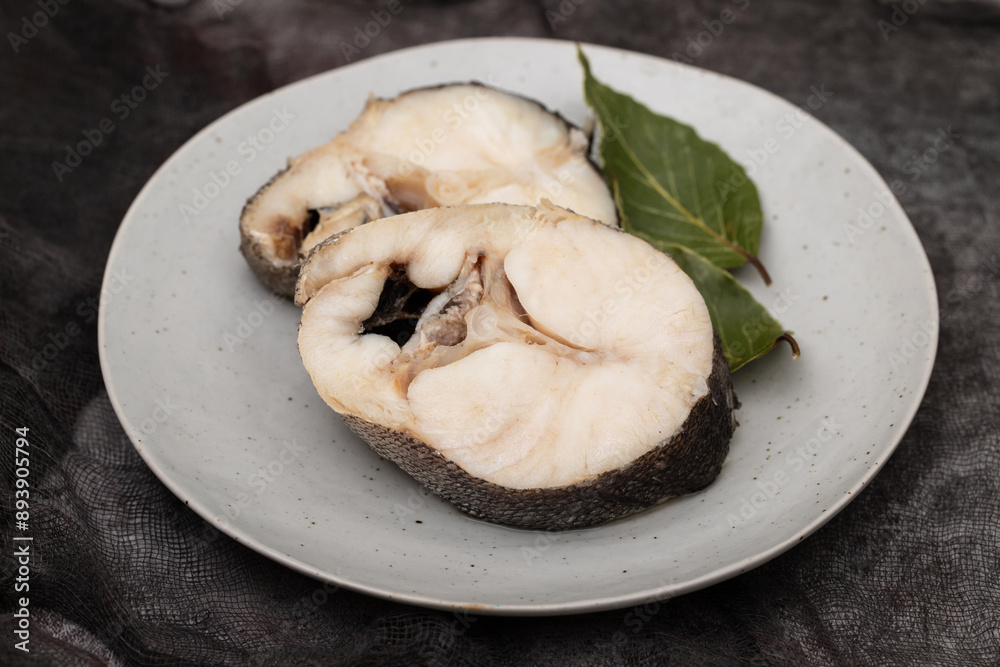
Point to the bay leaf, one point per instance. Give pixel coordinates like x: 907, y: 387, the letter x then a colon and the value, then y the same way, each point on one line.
x: 688, y: 198
x: 674, y: 185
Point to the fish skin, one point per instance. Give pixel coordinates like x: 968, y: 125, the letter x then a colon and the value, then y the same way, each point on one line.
x: 688, y: 461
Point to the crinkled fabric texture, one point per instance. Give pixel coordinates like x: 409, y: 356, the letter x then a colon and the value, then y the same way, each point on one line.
x: 125, y: 574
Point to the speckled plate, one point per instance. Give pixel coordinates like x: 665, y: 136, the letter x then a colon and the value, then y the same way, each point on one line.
x: 201, y: 364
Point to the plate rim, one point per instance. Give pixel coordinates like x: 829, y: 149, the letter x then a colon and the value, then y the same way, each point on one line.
x: 644, y: 596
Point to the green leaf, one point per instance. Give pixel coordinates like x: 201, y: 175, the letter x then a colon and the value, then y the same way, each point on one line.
x: 685, y: 196
x: 674, y: 185
x: 746, y: 328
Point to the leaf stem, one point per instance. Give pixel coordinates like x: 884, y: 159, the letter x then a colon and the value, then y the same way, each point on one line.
x: 757, y: 264
x: 787, y: 337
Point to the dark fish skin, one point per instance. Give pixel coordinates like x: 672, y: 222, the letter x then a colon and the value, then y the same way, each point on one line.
x: 687, y: 462
x: 279, y: 279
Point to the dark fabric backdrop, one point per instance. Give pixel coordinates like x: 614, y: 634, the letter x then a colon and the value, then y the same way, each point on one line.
x: 907, y: 574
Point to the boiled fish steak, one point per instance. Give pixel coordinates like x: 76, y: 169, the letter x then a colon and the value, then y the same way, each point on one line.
x: 441, y: 146
x: 531, y: 365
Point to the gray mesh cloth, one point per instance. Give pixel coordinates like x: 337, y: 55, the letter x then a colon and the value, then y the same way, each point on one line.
x: 909, y: 573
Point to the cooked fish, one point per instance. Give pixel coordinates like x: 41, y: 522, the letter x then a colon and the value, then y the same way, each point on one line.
x: 533, y: 366
x: 442, y: 146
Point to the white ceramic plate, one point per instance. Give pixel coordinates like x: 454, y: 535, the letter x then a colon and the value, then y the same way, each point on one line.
x: 201, y: 364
